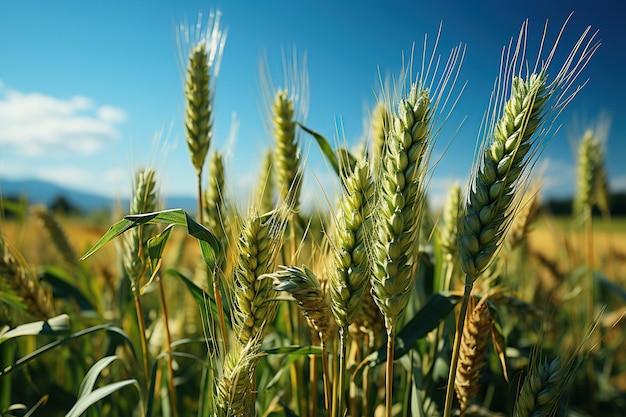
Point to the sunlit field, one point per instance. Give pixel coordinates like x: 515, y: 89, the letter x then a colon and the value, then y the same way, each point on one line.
x: 377, y: 305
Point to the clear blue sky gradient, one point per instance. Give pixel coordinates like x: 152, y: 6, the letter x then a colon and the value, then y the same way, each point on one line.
x: 123, y: 54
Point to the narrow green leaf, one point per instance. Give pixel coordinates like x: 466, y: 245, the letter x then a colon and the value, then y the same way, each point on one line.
x: 294, y: 350
x: 89, y: 381
x: 292, y: 354
x: 62, y: 288
x: 51, y: 327
x: 108, y: 327
x: 93, y: 397
x: 435, y: 310
x: 325, y: 147
x: 156, y: 246
x: 208, y: 307
x: 12, y: 300
x: 113, y: 232
x: 209, y: 244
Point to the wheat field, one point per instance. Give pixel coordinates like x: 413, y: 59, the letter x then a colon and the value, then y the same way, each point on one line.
x: 378, y: 305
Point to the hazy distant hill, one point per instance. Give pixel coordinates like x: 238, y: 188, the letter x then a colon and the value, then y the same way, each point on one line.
x: 44, y: 192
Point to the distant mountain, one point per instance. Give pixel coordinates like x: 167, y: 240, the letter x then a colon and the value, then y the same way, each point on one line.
x: 44, y: 192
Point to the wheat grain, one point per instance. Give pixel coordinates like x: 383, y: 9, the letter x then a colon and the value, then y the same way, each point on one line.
x: 401, y: 198
x: 215, y: 204
x: 23, y: 281
x: 258, y: 245
x: 265, y: 187
x: 592, y: 185
x: 472, y: 361
x: 144, y: 201
x: 510, y: 146
x: 235, y: 388
x: 57, y: 235
x: 350, y: 269
x: 304, y: 286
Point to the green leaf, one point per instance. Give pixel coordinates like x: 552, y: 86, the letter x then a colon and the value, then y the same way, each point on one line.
x: 325, y: 147
x: 342, y: 161
x: 294, y: 350
x: 207, y: 304
x: 209, y: 244
x: 293, y: 353
x: 93, y: 397
x: 86, y: 386
x: 108, y: 327
x: 156, y: 246
x: 435, y: 310
x: 13, y: 300
x: 63, y: 289
x: 51, y: 327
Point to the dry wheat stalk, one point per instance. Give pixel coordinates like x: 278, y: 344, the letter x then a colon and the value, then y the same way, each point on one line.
x: 472, y: 360
x: 23, y: 281
x: 259, y: 243
x: 57, y: 235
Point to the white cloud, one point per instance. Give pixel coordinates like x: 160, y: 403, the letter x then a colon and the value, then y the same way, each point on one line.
x: 111, y: 114
x: 37, y: 124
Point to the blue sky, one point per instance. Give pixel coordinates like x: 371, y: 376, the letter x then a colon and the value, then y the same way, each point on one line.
x: 86, y: 87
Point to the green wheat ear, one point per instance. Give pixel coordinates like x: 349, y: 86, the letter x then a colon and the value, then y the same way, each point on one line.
x: 592, y: 184
x: 520, y: 128
x: 285, y: 106
x: 201, y: 50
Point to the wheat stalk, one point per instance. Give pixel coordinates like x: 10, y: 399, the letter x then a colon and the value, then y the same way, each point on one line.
x: 472, y: 361
x: 286, y: 106
x: 350, y: 269
x: 401, y: 197
x: 500, y: 175
x: 265, y: 186
x: 235, y: 389
x: 21, y: 279
x: 592, y: 184
x: 134, y: 257
x: 201, y: 47
x: 214, y: 201
x: 57, y: 235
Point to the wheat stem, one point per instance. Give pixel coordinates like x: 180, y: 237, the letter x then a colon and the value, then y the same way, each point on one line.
x: 168, y: 346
